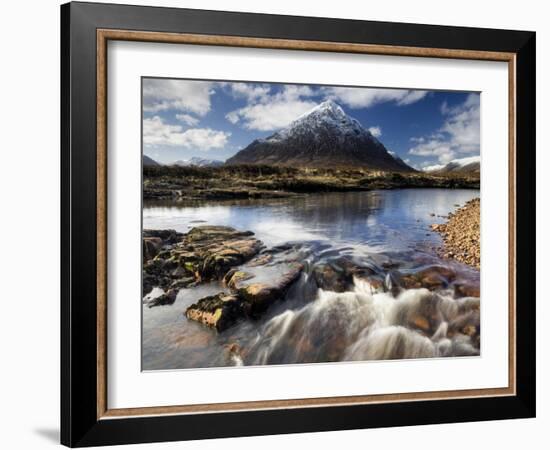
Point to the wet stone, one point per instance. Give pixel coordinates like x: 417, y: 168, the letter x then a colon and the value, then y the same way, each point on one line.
x: 259, y: 295
x: 332, y: 278
x: 151, y: 246
x: 205, y: 253
x: 466, y: 289
x: 234, y: 278
x: 168, y: 298
x: 218, y: 311
x: 167, y: 236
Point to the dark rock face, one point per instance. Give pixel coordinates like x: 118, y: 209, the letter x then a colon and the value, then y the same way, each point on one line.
x: 324, y: 137
x: 149, y: 161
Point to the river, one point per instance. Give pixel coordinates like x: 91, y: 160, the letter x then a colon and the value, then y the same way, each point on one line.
x: 388, y: 229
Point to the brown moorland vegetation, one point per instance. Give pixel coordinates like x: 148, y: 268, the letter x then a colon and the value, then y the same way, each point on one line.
x: 257, y: 181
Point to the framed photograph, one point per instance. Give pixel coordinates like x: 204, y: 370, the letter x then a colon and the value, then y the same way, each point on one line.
x: 276, y: 224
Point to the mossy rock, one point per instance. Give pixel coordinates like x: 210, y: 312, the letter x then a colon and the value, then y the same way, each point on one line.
x: 218, y: 311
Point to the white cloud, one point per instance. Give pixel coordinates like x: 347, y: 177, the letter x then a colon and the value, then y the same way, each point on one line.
x: 376, y: 131
x: 434, y: 147
x: 270, y: 116
x: 266, y: 111
x: 250, y: 91
x: 234, y: 116
x: 433, y: 167
x: 272, y: 112
x: 156, y: 132
x: 458, y: 135
x: 182, y: 95
x: 418, y: 140
x: 364, y: 97
x: 187, y: 119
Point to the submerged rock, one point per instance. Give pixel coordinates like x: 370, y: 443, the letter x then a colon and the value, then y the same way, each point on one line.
x: 438, y: 318
x: 168, y: 298
x: 331, y: 277
x: 337, y: 274
x: 420, y: 310
x: 432, y: 278
x: 470, y: 289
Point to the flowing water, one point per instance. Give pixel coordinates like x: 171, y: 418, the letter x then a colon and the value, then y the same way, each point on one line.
x: 384, y: 230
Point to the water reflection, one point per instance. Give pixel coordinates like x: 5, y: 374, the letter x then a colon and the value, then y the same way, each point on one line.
x: 388, y: 220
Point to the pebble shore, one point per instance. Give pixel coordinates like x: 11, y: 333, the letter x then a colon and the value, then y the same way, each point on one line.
x: 461, y: 234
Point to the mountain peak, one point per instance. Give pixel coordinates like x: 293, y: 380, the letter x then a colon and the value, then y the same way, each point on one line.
x: 330, y: 107
x: 323, y: 136
x: 326, y: 110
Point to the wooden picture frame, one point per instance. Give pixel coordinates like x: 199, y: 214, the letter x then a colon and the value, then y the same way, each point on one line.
x: 85, y: 417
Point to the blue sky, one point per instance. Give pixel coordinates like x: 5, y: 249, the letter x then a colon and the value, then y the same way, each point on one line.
x: 214, y: 120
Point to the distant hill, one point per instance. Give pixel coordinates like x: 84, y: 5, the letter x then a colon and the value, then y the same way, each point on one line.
x: 469, y: 165
x: 149, y: 161
x: 198, y: 162
x: 323, y: 137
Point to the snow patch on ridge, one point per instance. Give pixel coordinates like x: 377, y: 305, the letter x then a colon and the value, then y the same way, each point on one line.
x: 326, y: 114
x: 454, y: 164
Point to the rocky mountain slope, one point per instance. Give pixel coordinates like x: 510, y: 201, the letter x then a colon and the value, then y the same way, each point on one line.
x: 149, y: 161
x: 323, y: 137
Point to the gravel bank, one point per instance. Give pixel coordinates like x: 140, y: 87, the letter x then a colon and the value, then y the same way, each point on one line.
x: 461, y: 234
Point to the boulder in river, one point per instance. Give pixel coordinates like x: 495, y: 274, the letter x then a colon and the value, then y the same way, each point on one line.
x: 234, y: 278
x: 432, y: 277
x: 331, y: 277
x: 467, y: 289
x: 151, y: 247
x: 251, y: 296
x: 218, y: 311
x: 167, y: 298
x: 167, y: 236
x: 260, y: 293
x: 205, y: 253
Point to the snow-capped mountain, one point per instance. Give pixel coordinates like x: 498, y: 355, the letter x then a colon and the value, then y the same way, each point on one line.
x: 198, y: 162
x: 462, y: 165
x: 147, y: 161
x: 323, y: 137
